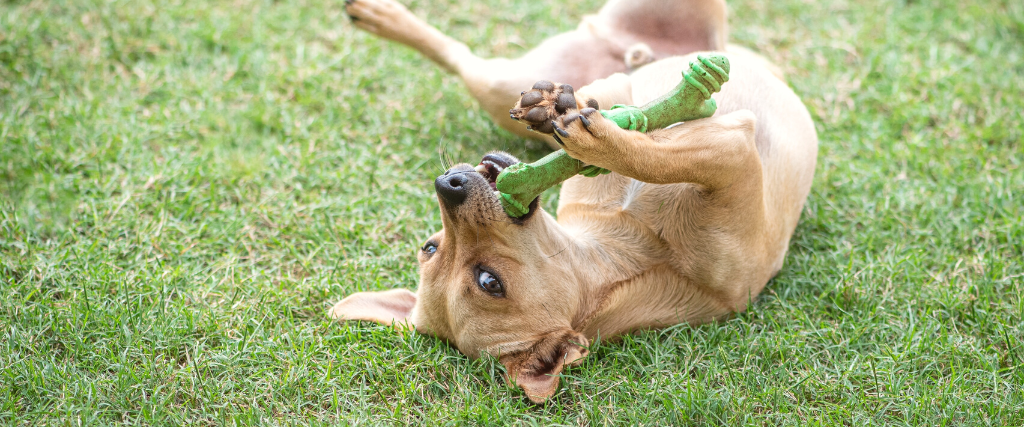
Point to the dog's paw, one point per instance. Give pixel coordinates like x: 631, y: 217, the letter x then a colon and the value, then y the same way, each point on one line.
x: 385, y: 18
x: 543, y: 103
x: 588, y: 137
x: 552, y: 109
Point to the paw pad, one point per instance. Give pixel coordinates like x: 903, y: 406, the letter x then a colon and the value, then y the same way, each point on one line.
x: 542, y: 104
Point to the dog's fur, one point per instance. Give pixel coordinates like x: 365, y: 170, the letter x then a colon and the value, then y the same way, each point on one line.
x: 622, y: 36
x: 689, y: 227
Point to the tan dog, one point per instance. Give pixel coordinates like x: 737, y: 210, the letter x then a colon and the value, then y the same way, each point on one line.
x: 689, y: 227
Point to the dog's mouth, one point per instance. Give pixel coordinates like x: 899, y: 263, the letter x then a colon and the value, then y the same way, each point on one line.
x: 490, y: 171
x: 491, y: 166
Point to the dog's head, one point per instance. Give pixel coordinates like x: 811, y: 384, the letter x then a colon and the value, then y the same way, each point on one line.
x: 488, y: 283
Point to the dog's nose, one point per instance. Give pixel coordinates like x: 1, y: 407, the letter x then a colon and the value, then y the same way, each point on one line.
x: 452, y: 185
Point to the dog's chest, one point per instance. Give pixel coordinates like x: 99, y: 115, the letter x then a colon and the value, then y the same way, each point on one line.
x: 612, y: 193
x: 631, y: 192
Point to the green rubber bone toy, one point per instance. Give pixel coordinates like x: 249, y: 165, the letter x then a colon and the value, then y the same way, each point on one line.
x: 520, y: 183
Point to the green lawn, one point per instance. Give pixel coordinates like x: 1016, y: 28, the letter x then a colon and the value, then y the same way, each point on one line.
x: 187, y: 186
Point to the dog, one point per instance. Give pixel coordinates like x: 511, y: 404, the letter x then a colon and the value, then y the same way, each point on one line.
x: 689, y: 227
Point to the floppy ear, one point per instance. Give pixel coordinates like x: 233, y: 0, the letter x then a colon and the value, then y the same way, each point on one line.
x: 537, y: 370
x: 392, y: 307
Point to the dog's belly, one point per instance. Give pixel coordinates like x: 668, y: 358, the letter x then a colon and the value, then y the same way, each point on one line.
x: 670, y: 213
x: 714, y: 244
x: 613, y: 193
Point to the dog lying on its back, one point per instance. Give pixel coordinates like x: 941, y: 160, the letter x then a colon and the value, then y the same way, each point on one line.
x: 689, y: 227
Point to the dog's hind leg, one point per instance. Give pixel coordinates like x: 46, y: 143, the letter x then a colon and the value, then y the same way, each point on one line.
x: 575, y: 57
x: 393, y: 21
x: 495, y: 83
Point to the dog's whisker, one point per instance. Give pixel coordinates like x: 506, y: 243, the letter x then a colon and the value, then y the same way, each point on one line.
x: 440, y: 154
x: 446, y: 158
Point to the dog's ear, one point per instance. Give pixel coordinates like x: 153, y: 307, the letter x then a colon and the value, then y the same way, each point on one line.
x: 392, y: 307
x: 537, y: 369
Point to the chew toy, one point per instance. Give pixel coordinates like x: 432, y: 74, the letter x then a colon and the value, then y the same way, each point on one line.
x: 520, y: 183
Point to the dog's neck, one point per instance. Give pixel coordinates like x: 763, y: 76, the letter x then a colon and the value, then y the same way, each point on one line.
x: 606, y: 261
x: 599, y: 255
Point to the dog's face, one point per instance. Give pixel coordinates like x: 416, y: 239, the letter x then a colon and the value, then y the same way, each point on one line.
x: 489, y: 283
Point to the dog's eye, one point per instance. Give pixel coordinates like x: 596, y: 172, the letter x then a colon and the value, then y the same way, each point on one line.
x: 490, y: 284
x: 429, y: 248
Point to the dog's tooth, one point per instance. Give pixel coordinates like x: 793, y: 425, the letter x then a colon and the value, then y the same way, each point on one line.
x: 481, y: 168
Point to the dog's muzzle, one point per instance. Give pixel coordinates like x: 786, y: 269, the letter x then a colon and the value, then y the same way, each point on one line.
x: 454, y: 185
x: 462, y: 181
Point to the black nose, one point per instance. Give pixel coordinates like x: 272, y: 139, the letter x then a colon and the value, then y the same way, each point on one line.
x: 452, y: 185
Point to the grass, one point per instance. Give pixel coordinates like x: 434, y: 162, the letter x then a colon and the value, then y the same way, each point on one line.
x: 187, y: 186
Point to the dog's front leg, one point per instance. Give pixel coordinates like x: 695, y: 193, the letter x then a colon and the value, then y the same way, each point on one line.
x: 711, y: 152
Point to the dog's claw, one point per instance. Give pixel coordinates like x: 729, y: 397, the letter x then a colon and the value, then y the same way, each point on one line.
x: 559, y: 130
x: 584, y: 113
x: 558, y: 140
